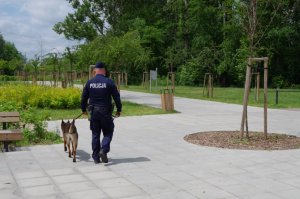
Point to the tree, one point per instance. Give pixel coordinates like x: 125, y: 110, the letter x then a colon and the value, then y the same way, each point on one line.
x: 120, y: 53
x: 2, y: 43
x: 176, y: 34
x: 10, y: 58
x: 85, y: 23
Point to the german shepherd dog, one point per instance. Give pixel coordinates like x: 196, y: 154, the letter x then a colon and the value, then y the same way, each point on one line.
x: 70, y: 135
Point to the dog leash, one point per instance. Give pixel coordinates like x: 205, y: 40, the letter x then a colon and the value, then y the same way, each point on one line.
x: 78, y: 116
x: 113, y: 116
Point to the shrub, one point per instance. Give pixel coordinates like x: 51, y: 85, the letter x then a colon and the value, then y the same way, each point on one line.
x: 279, y: 82
x: 34, y: 125
x: 27, y: 98
x: 190, y: 74
x: 7, y: 78
x: 40, y: 96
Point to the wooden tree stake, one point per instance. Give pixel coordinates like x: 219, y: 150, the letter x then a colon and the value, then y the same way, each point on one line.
x: 208, y: 85
x: 247, y: 92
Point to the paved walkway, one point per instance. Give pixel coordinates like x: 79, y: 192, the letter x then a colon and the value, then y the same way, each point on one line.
x: 150, y: 159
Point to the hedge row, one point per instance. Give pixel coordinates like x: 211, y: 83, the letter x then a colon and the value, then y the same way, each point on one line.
x: 40, y: 96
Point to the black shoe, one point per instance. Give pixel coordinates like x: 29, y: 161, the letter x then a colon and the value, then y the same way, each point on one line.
x: 103, y: 157
x: 97, y: 161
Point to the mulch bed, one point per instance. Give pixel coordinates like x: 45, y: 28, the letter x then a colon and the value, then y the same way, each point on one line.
x: 256, y: 141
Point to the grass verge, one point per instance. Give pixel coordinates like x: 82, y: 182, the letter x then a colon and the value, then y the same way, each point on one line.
x: 129, y: 109
x: 288, y: 98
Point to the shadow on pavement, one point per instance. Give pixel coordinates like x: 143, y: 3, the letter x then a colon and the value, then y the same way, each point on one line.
x: 83, y: 156
x: 114, y: 161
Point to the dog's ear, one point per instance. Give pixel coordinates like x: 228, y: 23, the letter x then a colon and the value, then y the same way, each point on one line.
x: 62, y: 121
x: 73, y: 122
x: 68, y: 121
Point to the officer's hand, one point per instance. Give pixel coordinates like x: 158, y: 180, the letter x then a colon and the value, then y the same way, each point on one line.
x: 118, y: 114
x: 84, y: 113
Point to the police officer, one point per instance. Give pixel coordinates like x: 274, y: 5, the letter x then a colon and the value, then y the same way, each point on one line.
x: 99, y: 90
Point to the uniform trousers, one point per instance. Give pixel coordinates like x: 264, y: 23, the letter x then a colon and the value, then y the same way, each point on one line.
x: 101, y: 121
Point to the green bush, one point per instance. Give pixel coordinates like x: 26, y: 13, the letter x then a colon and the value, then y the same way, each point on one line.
x: 190, y: 74
x: 26, y: 99
x: 7, y: 78
x: 9, y: 106
x: 279, y: 82
x: 33, y: 125
x: 35, y: 128
x: 35, y: 122
x: 40, y: 96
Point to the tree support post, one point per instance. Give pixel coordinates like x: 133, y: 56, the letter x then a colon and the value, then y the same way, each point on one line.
x: 208, y: 85
x: 266, y: 97
x: 145, y: 82
x: 256, y: 85
x: 246, y: 95
x: 91, y: 71
x: 171, y: 76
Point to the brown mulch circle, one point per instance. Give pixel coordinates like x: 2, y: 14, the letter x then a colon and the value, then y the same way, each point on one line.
x: 231, y: 140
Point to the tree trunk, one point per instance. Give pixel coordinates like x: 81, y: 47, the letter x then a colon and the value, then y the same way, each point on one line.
x: 252, y: 25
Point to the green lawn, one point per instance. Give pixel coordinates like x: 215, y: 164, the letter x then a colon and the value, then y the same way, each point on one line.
x: 129, y: 109
x: 233, y: 95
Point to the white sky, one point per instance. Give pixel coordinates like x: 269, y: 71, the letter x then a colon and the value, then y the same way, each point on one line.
x: 28, y: 24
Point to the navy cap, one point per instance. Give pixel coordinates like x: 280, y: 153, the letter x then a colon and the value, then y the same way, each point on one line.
x: 100, y: 65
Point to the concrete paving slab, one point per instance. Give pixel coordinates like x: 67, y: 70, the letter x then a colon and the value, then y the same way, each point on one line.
x: 103, y: 175
x: 123, y: 191
x: 92, y: 193
x: 150, y: 159
x: 68, y: 178
x: 10, y: 193
x: 174, y: 195
x: 39, y: 191
x: 29, y: 174
x: 114, y: 182
x: 30, y: 182
x: 59, y: 172
x: 76, y: 186
x: 92, y: 168
x: 289, y: 194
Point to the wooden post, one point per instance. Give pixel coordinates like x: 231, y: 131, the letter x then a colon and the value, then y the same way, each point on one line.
x: 212, y: 86
x: 116, y: 76
x: 171, y: 76
x: 168, y: 80
x: 34, y: 78
x: 44, y: 77
x: 91, y: 71
x: 208, y: 85
x: 119, y: 81
x: 66, y: 79
x: 126, y: 80
x: 26, y: 76
x: 122, y: 78
x: 145, y: 79
x: 163, y: 101
x: 204, y: 83
x: 266, y: 97
x: 247, y: 91
x: 75, y: 76
x: 173, y: 80
x: 246, y: 95
x: 257, y: 86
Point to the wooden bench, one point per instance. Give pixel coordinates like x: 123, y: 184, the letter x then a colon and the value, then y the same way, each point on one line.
x: 7, y: 135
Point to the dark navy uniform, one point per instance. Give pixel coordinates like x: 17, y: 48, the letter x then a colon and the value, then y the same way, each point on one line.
x: 100, y: 90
